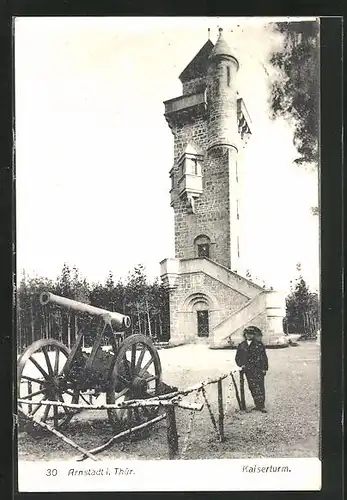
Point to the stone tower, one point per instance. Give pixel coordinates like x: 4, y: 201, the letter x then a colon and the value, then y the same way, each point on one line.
x: 210, y: 125
x: 205, y: 121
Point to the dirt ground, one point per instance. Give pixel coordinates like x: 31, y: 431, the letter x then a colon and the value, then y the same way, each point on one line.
x: 289, y: 429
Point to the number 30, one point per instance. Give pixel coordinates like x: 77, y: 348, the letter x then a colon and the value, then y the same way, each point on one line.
x: 51, y: 472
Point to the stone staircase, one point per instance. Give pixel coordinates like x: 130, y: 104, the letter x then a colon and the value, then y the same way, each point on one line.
x: 247, y: 302
x: 229, y: 332
x: 265, y: 308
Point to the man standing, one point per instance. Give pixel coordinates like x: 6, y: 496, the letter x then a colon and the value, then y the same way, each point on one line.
x: 251, y: 357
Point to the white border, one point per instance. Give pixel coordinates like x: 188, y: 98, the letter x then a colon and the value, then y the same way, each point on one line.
x: 291, y: 474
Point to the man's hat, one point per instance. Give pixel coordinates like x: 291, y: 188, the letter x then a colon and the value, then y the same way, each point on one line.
x: 252, y: 329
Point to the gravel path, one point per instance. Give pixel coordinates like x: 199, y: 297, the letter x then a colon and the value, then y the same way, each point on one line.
x: 289, y: 429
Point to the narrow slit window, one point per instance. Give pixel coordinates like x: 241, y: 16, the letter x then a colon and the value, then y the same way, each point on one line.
x: 238, y: 247
x: 228, y: 76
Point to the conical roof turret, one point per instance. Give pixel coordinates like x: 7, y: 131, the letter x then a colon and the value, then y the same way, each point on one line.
x: 222, y: 48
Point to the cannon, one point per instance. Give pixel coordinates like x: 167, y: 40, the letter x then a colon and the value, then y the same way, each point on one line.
x: 128, y: 367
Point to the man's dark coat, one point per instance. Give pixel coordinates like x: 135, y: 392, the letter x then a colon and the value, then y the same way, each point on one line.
x: 253, y: 358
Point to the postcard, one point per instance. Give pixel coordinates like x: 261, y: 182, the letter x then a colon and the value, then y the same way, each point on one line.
x: 167, y: 245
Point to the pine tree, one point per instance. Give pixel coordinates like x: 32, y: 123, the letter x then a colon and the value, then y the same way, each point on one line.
x: 136, y: 299
x: 295, y: 93
x: 302, y: 310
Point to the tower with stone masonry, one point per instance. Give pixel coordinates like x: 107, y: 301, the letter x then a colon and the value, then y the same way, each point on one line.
x: 210, y: 125
x: 205, y: 122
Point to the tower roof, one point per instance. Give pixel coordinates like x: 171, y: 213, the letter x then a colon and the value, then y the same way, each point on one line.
x: 221, y: 48
x: 198, y: 65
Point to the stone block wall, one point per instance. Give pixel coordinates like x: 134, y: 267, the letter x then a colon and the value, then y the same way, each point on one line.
x: 194, y: 131
x: 194, y: 86
x: 211, y: 294
x: 215, y: 209
x: 212, y: 211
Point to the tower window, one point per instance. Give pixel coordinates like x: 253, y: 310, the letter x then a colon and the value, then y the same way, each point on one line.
x: 237, y: 172
x: 237, y: 209
x: 238, y: 247
x: 228, y: 76
x: 204, y: 250
x: 202, y: 246
x: 203, y: 323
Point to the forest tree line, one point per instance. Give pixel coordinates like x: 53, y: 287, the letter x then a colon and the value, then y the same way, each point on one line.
x: 146, y: 303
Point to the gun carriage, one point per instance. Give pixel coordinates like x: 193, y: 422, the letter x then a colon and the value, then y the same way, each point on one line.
x: 130, y: 368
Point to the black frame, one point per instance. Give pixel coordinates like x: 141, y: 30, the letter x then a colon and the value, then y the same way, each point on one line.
x: 331, y: 234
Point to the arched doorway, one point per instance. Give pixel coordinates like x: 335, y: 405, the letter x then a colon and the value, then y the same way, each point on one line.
x: 199, y: 307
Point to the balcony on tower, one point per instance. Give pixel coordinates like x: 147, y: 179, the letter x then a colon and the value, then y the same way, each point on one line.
x: 189, y: 172
x: 189, y: 176
x: 185, y: 107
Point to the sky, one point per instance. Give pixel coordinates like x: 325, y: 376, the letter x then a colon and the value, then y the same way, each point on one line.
x: 93, y: 149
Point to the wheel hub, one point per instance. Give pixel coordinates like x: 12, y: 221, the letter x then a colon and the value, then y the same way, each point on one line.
x: 51, y: 387
x: 54, y: 386
x: 139, y: 385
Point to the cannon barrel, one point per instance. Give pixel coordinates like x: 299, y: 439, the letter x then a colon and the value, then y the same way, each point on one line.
x: 117, y: 319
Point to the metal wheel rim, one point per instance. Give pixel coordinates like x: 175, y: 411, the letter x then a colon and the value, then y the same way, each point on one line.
x: 41, y: 379
x: 119, y: 387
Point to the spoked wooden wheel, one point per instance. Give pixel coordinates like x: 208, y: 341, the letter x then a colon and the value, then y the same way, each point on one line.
x: 40, y: 378
x: 136, y: 375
